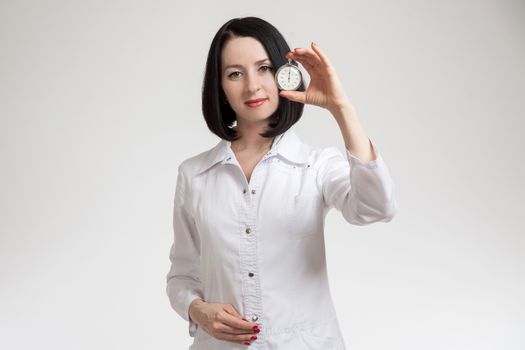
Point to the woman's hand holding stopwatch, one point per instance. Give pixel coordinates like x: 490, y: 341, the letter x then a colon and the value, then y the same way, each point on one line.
x: 325, y: 89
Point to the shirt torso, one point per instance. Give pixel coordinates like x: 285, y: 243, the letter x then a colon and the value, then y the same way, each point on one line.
x: 262, y: 244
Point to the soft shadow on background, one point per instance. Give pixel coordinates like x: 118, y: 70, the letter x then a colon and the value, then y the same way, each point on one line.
x: 100, y: 103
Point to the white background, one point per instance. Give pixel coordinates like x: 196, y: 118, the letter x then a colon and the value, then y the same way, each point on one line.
x: 100, y: 102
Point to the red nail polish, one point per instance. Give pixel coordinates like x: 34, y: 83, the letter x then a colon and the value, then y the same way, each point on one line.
x: 253, y: 337
x: 244, y: 319
x: 247, y: 343
x: 255, y: 328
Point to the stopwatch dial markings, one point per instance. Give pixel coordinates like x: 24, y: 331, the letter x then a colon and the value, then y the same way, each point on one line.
x: 289, y: 78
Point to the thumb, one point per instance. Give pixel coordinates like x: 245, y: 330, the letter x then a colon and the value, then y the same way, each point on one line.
x: 296, y: 96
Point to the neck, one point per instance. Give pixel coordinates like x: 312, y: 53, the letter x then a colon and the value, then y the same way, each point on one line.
x: 250, y: 140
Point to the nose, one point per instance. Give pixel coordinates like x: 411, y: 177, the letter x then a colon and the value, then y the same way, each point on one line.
x: 253, y: 83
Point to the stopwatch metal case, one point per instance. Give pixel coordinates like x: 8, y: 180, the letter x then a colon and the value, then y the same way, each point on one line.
x: 290, y: 66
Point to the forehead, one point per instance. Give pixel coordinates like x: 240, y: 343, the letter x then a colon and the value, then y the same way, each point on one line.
x: 244, y: 51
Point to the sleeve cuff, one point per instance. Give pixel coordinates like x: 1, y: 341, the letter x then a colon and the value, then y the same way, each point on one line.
x: 192, y: 328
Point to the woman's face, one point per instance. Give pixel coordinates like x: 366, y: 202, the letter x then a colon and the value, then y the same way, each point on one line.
x: 248, y: 74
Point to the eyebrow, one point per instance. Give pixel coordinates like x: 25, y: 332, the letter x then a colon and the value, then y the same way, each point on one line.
x: 240, y: 66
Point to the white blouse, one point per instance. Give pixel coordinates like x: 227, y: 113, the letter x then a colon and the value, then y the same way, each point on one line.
x: 259, y: 245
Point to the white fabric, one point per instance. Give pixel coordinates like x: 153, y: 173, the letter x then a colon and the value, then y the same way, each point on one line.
x: 284, y: 207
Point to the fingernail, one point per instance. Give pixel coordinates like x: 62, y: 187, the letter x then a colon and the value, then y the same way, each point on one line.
x: 314, y: 43
x: 247, y: 343
x: 253, y: 337
x: 244, y: 319
x: 297, y: 48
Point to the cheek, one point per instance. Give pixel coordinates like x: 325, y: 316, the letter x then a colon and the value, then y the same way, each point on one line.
x: 229, y: 89
x: 271, y: 86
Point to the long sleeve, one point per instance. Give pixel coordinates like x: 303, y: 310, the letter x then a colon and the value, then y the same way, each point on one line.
x: 363, y: 192
x: 183, y: 279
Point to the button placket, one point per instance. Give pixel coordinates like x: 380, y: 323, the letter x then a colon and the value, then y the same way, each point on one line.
x: 248, y: 248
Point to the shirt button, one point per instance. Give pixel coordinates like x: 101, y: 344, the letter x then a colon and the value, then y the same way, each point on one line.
x: 253, y: 191
x: 254, y: 318
x: 248, y: 230
x: 250, y: 274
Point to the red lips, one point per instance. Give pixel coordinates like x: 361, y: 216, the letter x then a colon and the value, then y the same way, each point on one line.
x: 255, y: 101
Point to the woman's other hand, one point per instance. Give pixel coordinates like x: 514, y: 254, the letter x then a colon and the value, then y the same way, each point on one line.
x: 223, y: 322
x: 325, y: 89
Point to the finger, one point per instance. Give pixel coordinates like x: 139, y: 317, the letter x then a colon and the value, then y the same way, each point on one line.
x: 240, y: 339
x: 224, y: 328
x: 305, y: 61
x: 315, y: 70
x: 296, y: 96
x: 304, y: 58
x: 232, y: 311
x: 308, y: 53
x: 235, y: 322
x: 322, y: 56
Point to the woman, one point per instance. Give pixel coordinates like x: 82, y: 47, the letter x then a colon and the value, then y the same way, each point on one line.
x: 248, y: 261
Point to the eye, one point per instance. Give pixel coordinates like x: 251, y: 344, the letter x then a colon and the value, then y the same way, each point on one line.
x: 269, y: 68
x: 232, y: 75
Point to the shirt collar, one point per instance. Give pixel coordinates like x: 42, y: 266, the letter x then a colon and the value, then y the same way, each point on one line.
x: 286, y: 145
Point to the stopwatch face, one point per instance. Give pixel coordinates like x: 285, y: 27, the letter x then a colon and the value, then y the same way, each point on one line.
x: 288, y: 77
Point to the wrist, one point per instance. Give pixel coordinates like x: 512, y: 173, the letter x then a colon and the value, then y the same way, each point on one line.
x: 344, y: 112
x: 194, y: 305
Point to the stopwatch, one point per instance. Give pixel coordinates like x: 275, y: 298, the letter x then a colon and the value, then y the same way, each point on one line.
x: 288, y: 76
